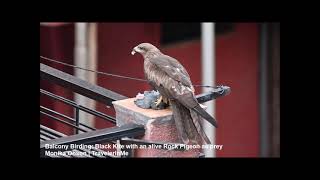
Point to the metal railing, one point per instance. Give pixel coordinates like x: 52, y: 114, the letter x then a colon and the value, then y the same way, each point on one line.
x: 88, y: 134
x: 77, y: 108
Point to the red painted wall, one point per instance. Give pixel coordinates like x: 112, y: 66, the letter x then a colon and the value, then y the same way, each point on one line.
x: 57, y: 42
x: 237, y: 66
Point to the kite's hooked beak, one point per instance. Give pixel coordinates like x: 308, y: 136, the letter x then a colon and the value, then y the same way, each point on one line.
x: 134, y: 50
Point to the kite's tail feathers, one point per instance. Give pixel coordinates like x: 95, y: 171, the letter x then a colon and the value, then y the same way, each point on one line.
x: 196, y: 118
x: 188, y: 124
x: 178, y: 119
x: 199, y: 110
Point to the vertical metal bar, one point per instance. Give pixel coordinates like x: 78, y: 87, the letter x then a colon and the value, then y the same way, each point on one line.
x: 264, y: 135
x: 208, y: 76
x: 77, y: 118
x: 81, y: 59
x: 92, y: 64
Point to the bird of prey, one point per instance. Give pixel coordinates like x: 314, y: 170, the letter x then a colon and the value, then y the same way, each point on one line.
x: 171, y: 79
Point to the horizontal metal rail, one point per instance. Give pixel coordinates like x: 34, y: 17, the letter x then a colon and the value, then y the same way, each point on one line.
x: 82, y: 108
x: 218, y: 92
x: 78, y: 85
x: 45, y: 138
x: 51, y: 131
x: 62, y: 121
x: 99, y: 136
x: 51, y: 136
x: 64, y: 116
x: 48, y: 134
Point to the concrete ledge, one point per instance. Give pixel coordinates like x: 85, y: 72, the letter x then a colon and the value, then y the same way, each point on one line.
x: 128, y: 112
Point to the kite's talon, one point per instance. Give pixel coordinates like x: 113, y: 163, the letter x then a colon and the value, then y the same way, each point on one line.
x: 158, y: 101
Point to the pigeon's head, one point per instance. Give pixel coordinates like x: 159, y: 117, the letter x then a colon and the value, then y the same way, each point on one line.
x: 144, y: 48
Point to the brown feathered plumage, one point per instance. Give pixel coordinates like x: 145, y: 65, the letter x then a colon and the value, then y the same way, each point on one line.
x: 173, y: 82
